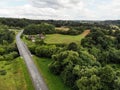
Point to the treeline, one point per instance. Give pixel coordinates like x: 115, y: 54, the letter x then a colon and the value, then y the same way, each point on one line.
x: 39, y: 28
x: 14, y: 22
x: 45, y: 28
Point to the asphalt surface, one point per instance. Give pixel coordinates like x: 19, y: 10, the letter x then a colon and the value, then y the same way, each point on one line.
x: 37, y: 79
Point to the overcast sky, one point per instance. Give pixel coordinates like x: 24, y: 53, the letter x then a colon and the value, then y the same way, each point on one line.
x: 61, y: 9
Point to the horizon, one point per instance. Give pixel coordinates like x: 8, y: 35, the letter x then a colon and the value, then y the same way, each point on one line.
x: 95, y: 10
x: 60, y: 20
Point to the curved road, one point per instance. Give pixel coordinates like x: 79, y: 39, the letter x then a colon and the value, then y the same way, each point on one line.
x: 37, y: 79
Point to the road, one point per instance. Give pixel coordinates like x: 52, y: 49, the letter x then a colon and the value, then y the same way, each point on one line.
x: 37, y: 79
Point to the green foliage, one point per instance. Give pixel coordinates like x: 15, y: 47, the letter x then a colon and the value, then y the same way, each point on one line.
x: 72, y: 46
x: 92, y: 83
x: 69, y: 77
x: 6, y: 35
x: 114, y: 55
x: 107, y: 76
x: 46, y: 51
x: 38, y: 29
x: 1, y: 58
x: 97, y: 39
x: 3, y: 72
x: 68, y: 65
x: 87, y: 59
x: 2, y: 50
x: 117, y: 83
x: 62, y: 59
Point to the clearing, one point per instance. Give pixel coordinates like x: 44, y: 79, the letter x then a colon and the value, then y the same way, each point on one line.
x: 65, y: 39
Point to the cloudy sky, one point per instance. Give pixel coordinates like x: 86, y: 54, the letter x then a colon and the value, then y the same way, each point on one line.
x: 61, y: 9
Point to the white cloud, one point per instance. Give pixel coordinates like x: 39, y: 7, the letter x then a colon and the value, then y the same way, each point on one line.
x: 62, y: 9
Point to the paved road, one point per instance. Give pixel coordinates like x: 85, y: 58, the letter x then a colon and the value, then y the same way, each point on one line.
x: 37, y: 79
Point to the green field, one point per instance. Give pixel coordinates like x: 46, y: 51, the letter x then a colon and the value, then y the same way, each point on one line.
x: 54, y: 82
x: 62, y: 39
x: 17, y: 77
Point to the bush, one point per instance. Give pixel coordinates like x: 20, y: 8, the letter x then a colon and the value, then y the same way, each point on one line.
x: 3, y: 72
x: 72, y: 46
x: 11, y: 56
x: 1, y: 58
x: 46, y: 51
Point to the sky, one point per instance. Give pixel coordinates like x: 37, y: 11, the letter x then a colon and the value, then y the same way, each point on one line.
x: 61, y: 9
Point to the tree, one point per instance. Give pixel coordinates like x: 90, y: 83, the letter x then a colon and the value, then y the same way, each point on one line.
x: 117, y: 84
x: 2, y: 50
x: 114, y: 55
x: 72, y: 46
x: 92, y: 83
x: 62, y: 59
x: 107, y: 76
x: 69, y: 77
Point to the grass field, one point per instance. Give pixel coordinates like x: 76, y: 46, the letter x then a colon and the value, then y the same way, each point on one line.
x: 17, y: 77
x: 65, y: 39
x: 54, y: 82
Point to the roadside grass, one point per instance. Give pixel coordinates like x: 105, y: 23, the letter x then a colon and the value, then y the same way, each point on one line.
x: 54, y: 82
x: 17, y: 77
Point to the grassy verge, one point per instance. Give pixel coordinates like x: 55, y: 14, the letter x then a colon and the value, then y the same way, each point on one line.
x: 54, y: 82
x: 17, y: 77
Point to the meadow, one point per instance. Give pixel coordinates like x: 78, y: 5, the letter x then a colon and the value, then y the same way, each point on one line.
x: 65, y: 39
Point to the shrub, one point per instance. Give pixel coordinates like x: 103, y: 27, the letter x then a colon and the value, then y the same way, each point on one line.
x: 3, y: 72
x: 46, y: 51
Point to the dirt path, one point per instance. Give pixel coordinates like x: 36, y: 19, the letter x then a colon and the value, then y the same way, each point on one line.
x: 85, y: 33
